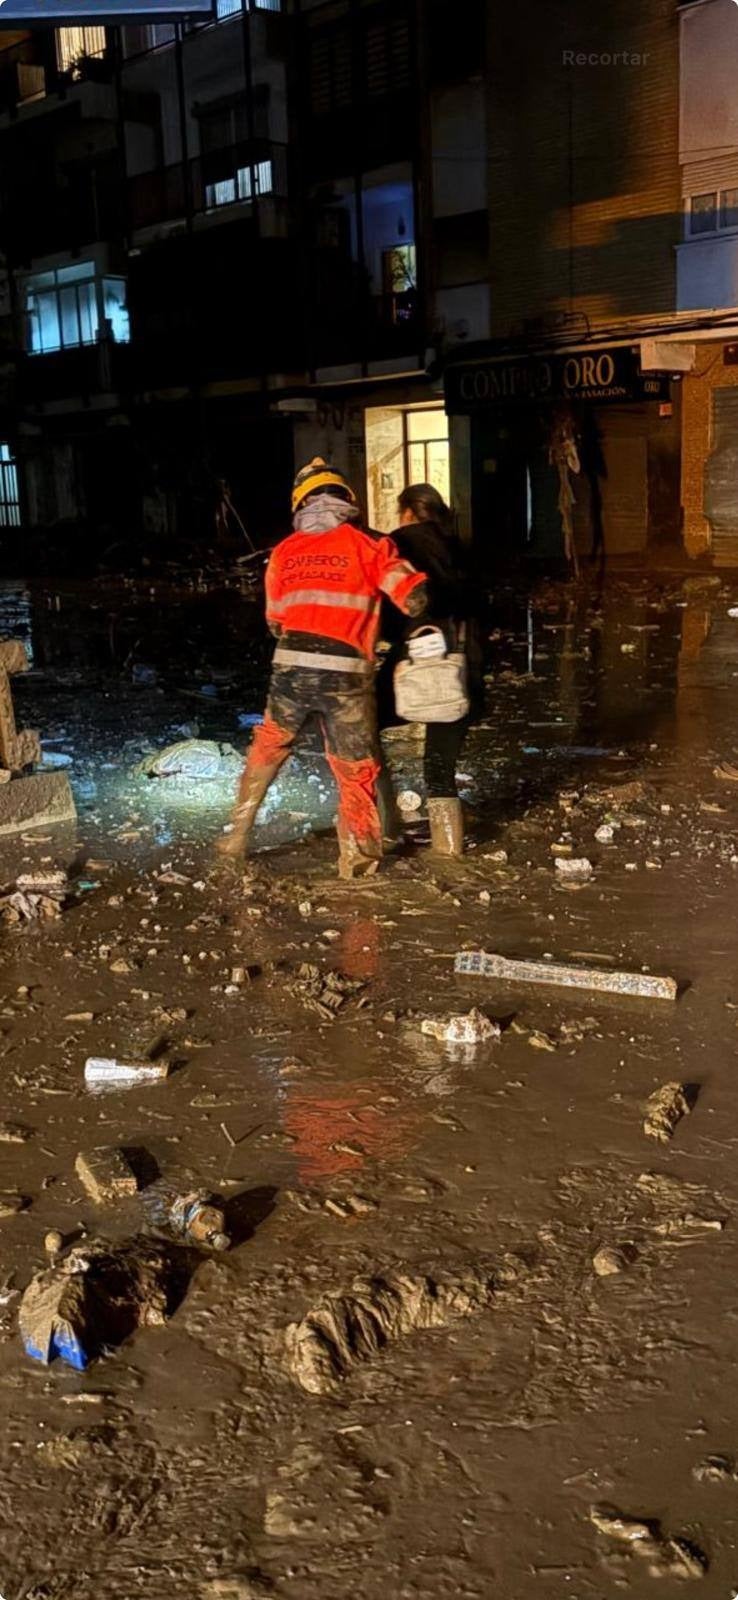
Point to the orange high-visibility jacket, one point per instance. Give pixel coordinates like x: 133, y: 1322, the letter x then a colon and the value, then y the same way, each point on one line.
x: 331, y: 584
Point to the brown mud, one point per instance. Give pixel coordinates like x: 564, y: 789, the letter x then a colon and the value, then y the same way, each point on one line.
x: 414, y: 1223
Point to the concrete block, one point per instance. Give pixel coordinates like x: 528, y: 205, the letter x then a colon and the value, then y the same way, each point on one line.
x: 42, y: 800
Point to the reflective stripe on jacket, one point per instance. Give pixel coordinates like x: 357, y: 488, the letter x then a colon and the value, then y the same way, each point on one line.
x: 331, y: 584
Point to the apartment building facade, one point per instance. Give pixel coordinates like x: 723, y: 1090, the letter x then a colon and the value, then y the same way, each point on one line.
x: 224, y: 246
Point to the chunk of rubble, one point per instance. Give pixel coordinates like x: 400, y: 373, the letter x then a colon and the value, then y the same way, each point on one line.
x: 193, y: 759
x: 611, y: 1259
x: 573, y: 870
x: 14, y: 1133
x: 666, y: 1108
x: 471, y: 1027
x: 35, y: 897
x: 716, y: 1469
x: 664, y: 1557
x: 345, y: 1329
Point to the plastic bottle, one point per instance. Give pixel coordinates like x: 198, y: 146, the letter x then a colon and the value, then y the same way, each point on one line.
x: 192, y: 1215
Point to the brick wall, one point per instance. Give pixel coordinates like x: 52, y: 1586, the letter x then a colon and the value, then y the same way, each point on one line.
x: 584, y: 181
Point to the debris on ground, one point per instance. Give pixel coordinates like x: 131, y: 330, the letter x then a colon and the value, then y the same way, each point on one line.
x: 106, y: 1073
x: 665, y: 1109
x: 716, y: 1469
x: 12, y: 1204
x: 193, y: 1215
x: 471, y: 1027
x: 346, y: 1206
x: 14, y: 1133
x: 666, y: 1557
x: 194, y: 759
x: 611, y: 1259
x: 106, y: 1173
x: 36, y: 896
x: 727, y: 772
x: 480, y: 964
x: 344, y: 1329
x: 96, y: 1297
x: 570, y: 870
x: 323, y: 992
x: 606, y: 833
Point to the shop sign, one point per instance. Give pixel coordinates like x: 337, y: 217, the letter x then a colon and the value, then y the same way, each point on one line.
x: 600, y: 376
x: 52, y: 12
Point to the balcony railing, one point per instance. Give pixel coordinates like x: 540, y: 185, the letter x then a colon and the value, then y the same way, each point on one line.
x: 22, y: 79
x: 224, y: 178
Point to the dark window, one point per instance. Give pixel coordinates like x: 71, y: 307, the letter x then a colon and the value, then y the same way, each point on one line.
x: 456, y: 39
x: 227, y: 122
x: 387, y: 56
x: 330, y: 72
x: 462, y: 249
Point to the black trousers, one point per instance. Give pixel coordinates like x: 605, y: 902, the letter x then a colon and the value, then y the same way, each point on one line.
x: 443, y: 744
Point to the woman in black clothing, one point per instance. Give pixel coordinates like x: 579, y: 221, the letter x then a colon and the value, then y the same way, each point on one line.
x: 427, y: 538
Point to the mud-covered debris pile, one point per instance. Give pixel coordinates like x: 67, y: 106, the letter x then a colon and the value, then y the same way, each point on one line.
x: 345, y: 1329
x: 322, y: 992
x: 96, y: 1297
x: 35, y: 897
x: 193, y: 759
x: 665, y: 1557
x: 472, y: 1027
x: 666, y: 1108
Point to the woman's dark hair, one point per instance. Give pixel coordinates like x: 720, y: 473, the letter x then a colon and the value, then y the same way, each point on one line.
x: 427, y: 505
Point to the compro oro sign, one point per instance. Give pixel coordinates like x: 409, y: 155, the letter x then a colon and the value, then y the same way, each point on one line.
x: 599, y: 376
x: 53, y: 12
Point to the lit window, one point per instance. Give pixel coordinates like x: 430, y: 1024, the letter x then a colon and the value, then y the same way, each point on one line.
x: 63, y: 309
x: 241, y: 186
x: 74, y: 43
x: 9, y: 497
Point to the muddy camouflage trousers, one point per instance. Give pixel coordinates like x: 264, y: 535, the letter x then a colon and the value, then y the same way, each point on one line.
x: 345, y: 706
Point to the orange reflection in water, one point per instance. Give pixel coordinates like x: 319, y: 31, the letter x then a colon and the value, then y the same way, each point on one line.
x: 318, y: 1120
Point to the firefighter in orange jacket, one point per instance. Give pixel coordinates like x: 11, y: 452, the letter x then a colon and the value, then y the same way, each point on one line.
x: 324, y: 587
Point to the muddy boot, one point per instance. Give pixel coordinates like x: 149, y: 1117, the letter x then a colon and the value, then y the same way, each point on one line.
x: 356, y: 859
x: 254, y: 786
x: 446, y: 818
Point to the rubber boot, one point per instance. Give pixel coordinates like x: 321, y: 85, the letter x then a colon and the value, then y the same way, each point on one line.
x: 446, y: 818
x: 253, y: 789
x: 356, y: 859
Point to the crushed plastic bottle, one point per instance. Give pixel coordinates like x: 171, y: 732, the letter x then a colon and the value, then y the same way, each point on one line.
x: 192, y: 1215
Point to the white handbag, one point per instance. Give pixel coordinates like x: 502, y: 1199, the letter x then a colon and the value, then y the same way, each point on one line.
x: 433, y: 688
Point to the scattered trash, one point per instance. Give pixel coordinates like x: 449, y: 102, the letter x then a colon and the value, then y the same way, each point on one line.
x: 250, y: 719
x: 143, y: 674
x: 605, y: 834
x: 541, y: 1041
x: 106, y: 1173
x: 471, y: 1028
x: 104, y: 1073
x: 94, y: 1298
x: 191, y: 758
x: 54, y: 761
x: 194, y: 1216
x: 53, y: 1244
x: 611, y: 1259
x: 573, y: 871
x: 12, y: 1204
x: 727, y: 772
x: 666, y: 1557
x: 408, y: 801
x: 37, y: 896
x: 14, y: 1133
x: 716, y: 1469
x: 478, y: 964
x: 665, y: 1109
x: 733, y: 611
x: 324, y: 992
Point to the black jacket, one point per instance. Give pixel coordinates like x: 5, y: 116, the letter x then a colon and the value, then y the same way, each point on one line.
x: 453, y: 599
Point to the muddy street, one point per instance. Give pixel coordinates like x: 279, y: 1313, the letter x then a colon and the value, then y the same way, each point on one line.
x: 475, y: 1330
